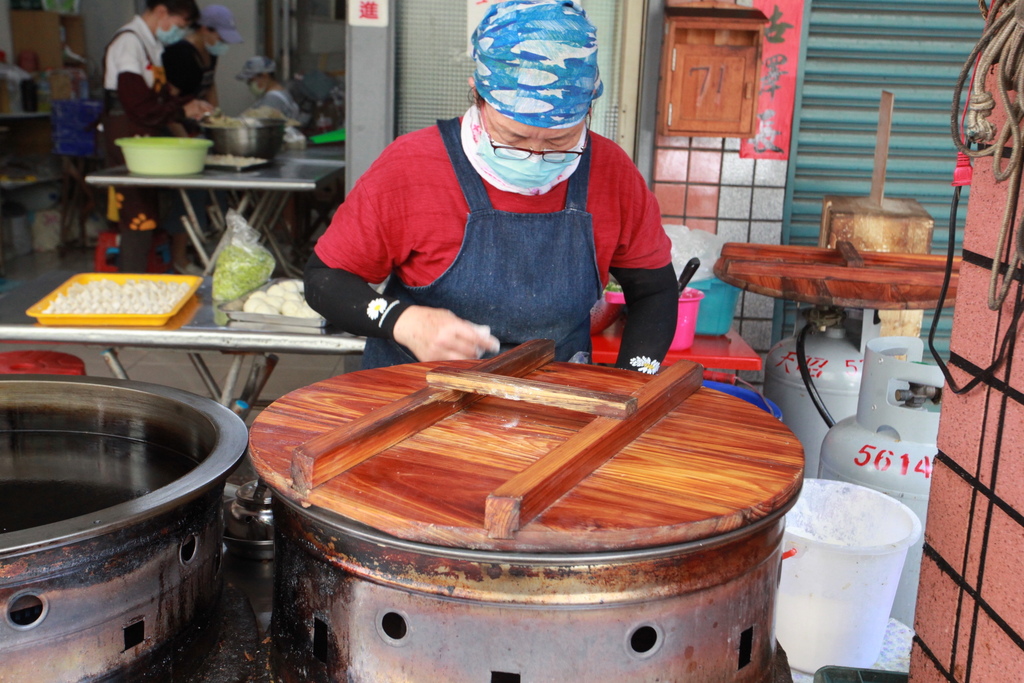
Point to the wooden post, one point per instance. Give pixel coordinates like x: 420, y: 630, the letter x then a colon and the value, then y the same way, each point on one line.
x: 881, y: 148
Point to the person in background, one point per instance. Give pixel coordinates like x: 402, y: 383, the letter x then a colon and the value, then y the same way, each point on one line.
x: 139, y: 103
x: 258, y: 73
x: 191, y: 64
x: 502, y: 226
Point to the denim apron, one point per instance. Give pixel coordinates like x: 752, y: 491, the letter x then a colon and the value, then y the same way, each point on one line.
x: 526, y: 275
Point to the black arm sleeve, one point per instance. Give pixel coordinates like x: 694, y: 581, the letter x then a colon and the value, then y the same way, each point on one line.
x: 347, y: 302
x: 651, y: 298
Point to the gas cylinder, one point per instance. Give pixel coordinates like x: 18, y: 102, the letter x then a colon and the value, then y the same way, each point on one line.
x: 834, y: 364
x: 890, y: 443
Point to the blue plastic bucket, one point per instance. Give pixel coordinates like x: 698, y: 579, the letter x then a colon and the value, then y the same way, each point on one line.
x: 747, y: 395
x: 717, y: 308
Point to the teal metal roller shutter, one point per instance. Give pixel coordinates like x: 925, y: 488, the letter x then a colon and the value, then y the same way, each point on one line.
x: 852, y: 51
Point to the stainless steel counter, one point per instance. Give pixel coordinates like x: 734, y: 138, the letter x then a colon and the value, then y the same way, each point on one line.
x: 261, y: 194
x: 198, y: 327
x: 293, y: 171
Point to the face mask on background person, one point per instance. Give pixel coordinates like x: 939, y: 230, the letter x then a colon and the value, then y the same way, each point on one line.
x: 218, y: 49
x: 256, y: 89
x: 171, y: 35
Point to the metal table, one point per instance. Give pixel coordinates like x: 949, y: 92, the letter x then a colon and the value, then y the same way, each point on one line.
x: 199, y: 326
x: 263, y: 192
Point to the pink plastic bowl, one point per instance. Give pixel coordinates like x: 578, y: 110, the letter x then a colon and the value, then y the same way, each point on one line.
x: 689, y: 306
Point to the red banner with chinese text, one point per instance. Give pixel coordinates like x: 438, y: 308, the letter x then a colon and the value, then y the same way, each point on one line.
x: 780, y: 57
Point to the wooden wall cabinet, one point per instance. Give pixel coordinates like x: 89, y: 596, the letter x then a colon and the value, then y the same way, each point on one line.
x: 710, y: 70
x: 41, y: 32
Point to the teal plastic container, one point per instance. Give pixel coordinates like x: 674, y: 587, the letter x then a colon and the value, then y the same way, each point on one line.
x: 717, y: 308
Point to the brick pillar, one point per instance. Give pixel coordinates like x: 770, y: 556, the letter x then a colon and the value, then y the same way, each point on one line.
x: 970, y: 609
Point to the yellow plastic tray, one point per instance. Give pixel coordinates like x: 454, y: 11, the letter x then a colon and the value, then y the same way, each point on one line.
x: 122, y: 319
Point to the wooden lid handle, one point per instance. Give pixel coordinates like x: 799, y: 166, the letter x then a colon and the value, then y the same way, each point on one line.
x: 522, y: 498
x: 603, y: 403
x: 329, y: 454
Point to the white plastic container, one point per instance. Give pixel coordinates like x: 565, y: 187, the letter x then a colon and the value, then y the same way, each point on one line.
x: 836, y: 591
x: 890, y: 444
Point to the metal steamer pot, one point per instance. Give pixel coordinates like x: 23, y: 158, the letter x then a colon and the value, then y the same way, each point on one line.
x: 351, y: 603
x: 414, y: 540
x: 261, y: 138
x: 110, y: 532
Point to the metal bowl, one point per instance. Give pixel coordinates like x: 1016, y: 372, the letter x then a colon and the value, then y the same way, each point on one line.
x: 260, y: 138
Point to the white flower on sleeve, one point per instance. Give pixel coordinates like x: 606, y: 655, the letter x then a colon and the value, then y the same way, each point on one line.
x: 375, y: 308
x: 645, y: 365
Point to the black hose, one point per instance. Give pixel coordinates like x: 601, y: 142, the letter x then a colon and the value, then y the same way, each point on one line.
x: 805, y: 374
x: 1011, y: 332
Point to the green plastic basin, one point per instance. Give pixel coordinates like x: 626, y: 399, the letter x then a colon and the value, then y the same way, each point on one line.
x: 164, y: 156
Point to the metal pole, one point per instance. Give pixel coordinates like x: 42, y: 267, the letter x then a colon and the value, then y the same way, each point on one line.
x: 229, y: 382
x: 204, y: 373
x: 114, y: 363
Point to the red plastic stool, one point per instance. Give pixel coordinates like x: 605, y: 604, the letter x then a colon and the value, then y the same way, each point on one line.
x: 40, y: 362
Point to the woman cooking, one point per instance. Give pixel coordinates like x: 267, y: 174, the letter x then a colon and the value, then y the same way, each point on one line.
x: 138, y: 103
x: 502, y: 226
x: 191, y: 63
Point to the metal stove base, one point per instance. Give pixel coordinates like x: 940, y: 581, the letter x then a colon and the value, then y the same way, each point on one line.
x: 236, y: 656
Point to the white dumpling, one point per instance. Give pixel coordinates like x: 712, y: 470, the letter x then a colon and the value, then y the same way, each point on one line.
x: 264, y: 308
x: 252, y: 303
x: 275, y: 302
x: 292, y: 308
x: 277, y: 289
x: 308, y: 312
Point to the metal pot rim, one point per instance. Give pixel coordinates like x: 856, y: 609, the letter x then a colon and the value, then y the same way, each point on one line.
x: 227, y: 450
x: 261, y: 123
x: 364, y: 532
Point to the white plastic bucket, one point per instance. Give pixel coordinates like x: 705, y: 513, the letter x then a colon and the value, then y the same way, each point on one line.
x: 844, y: 549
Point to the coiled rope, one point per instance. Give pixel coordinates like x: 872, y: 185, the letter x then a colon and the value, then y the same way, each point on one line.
x: 1001, y: 46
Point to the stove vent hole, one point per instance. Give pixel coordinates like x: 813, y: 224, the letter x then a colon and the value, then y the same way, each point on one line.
x: 502, y: 677
x: 134, y: 634
x: 26, y: 611
x: 188, y: 549
x: 746, y: 646
x: 320, y: 640
x: 394, y: 626
x: 644, y: 639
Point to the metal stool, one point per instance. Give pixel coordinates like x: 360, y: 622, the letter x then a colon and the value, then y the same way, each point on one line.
x: 40, y: 362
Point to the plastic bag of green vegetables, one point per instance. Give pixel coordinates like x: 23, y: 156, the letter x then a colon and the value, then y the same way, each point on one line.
x: 243, y: 263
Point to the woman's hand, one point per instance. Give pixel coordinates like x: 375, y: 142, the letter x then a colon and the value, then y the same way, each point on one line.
x: 196, y: 108
x: 439, y: 334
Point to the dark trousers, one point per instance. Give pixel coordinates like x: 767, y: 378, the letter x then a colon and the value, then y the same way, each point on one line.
x: 138, y: 207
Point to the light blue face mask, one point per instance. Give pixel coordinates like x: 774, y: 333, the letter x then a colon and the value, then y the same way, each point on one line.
x: 218, y: 49
x: 171, y: 35
x: 526, y: 174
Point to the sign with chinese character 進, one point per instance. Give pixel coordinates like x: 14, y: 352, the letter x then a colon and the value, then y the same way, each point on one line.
x: 368, y: 12
x: 780, y: 56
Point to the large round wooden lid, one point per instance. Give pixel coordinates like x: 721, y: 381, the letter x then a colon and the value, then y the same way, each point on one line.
x: 463, y: 468
x: 839, y: 277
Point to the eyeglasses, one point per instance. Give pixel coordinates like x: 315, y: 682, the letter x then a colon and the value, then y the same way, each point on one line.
x: 550, y: 156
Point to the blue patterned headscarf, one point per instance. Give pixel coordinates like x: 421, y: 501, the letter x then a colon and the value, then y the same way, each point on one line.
x: 536, y: 61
